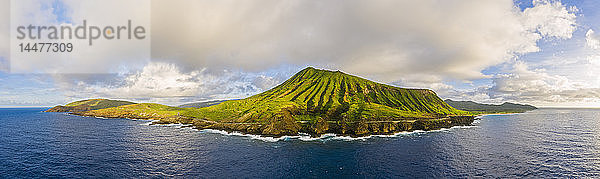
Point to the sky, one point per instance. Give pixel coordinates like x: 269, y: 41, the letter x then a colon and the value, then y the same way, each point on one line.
x: 540, y: 52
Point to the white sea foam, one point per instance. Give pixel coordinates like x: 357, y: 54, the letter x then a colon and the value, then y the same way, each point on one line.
x: 251, y: 136
x: 176, y: 125
x: 148, y: 123
x: 327, y: 136
x: 463, y: 127
x: 442, y: 130
x: 179, y: 125
x: 399, y: 134
x: 304, y: 136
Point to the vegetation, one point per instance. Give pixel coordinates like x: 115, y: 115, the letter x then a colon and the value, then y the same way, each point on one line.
x: 312, y: 101
x: 332, y: 95
x: 90, y: 104
x: 100, y: 103
x: 478, y: 108
x: 150, y: 111
x: 201, y: 104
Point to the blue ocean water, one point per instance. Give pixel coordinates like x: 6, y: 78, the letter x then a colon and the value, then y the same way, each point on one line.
x: 540, y: 143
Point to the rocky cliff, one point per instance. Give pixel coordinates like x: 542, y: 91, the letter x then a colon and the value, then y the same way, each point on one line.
x: 312, y: 101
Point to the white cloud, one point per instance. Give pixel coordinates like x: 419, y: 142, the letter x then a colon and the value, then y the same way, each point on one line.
x: 551, y: 19
x: 594, y: 60
x: 217, y: 49
x: 104, y: 56
x: 159, y: 80
x: 165, y: 83
x: 592, y: 39
x: 384, y: 40
x: 265, y: 82
x: 4, y: 35
x: 534, y: 86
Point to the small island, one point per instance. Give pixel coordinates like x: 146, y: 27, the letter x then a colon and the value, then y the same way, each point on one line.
x: 312, y: 101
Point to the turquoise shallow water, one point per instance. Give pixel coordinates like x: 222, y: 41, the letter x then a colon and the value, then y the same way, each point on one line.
x: 540, y: 143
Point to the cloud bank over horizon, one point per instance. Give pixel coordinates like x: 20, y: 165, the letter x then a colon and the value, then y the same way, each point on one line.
x: 462, y: 49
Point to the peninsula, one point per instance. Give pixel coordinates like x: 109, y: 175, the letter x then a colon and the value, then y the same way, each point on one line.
x: 312, y: 101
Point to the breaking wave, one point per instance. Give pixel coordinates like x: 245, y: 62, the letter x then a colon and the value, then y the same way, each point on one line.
x: 304, y: 136
x: 327, y: 136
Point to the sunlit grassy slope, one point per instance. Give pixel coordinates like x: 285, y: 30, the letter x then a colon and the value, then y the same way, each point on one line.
x: 331, y: 95
x: 309, y: 95
x: 138, y: 111
x: 100, y: 103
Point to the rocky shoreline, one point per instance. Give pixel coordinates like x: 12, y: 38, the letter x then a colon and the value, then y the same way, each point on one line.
x: 287, y: 127
x: 79, y: 108
x: 313, y: 102
x: 353, y: 129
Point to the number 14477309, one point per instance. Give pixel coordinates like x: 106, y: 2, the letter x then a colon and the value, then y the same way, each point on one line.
x: 46, y: 47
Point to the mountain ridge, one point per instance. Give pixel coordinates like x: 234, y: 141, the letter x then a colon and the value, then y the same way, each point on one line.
x: 89, y: 104
x: 312, y: 101
x: 506, y: 107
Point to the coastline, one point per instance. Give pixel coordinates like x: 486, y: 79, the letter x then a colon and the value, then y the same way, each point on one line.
x: 306, y: 137
x: 497, y: 114
x: 327, y: 136
x: 300, y: 136
x: 348, y: 131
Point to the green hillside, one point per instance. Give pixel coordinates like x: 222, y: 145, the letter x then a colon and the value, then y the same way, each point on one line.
x: 332, y: 95
x: 100, y: 103
x: 137, y: 111
x: 312, y: 101
x: 89, y: 104
x: 201, y: 104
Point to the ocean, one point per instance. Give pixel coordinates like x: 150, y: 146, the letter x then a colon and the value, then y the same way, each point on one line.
x: 546, y: 143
